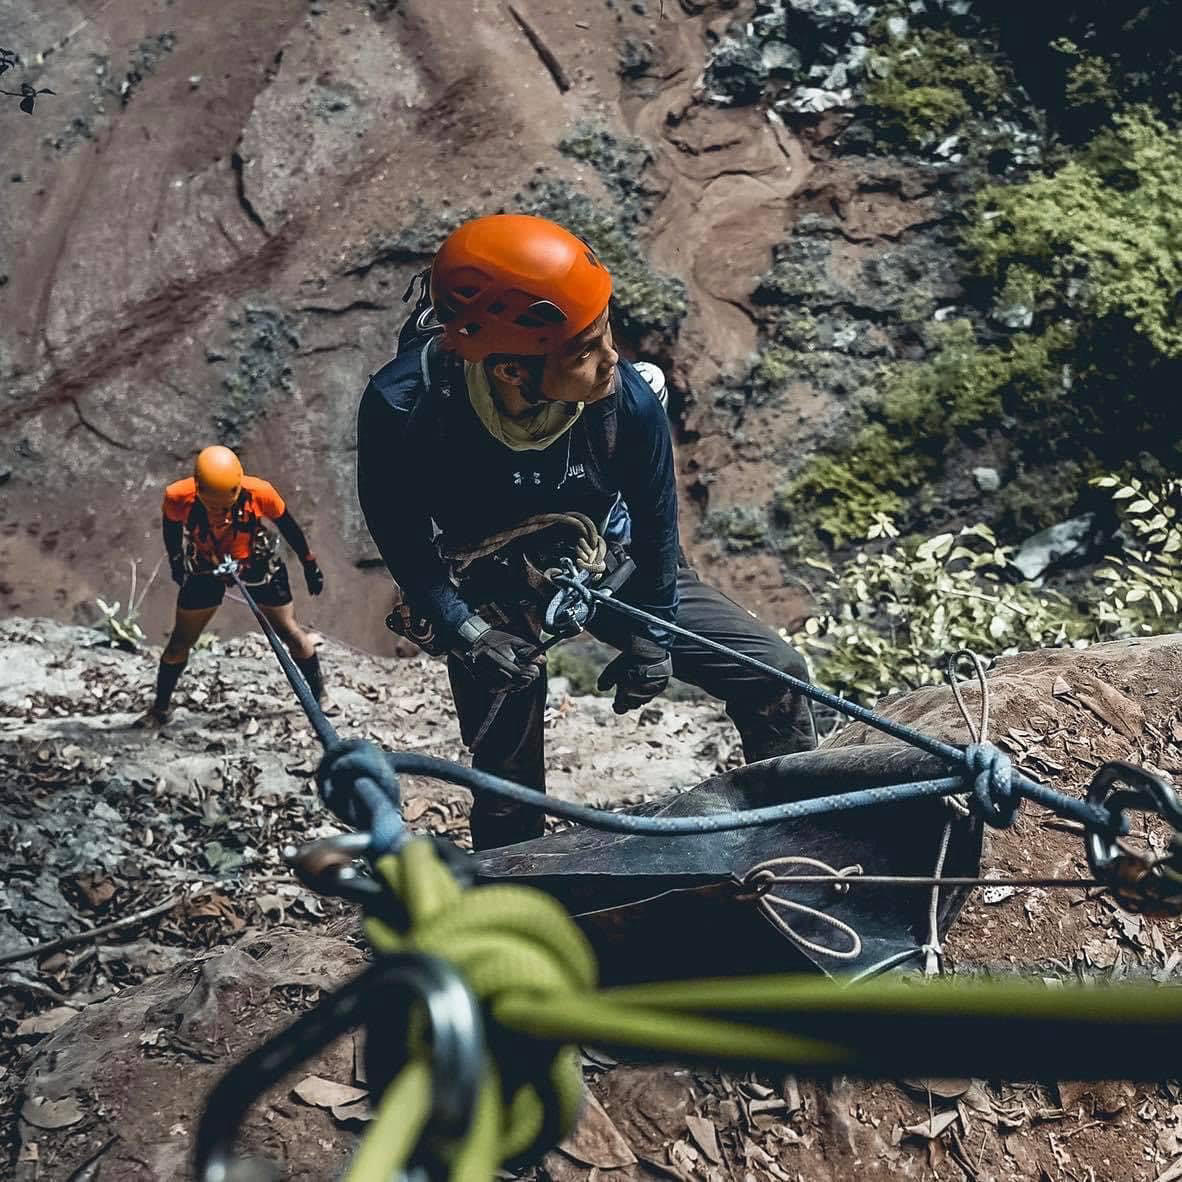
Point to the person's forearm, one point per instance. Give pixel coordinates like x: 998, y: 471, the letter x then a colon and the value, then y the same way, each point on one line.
x: 294, y: 536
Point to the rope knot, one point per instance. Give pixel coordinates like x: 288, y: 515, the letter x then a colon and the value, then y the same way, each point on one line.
x: 358, y: 785
x: 511, y: 945
x: 992, y: 773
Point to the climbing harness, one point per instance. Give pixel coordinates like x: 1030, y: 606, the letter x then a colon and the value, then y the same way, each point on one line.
x: 506, y: 983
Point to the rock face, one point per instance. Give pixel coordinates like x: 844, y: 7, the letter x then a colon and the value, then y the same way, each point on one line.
x: 120, y: 1082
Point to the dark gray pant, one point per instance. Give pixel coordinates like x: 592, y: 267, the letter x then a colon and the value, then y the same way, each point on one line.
x: 771, y: 719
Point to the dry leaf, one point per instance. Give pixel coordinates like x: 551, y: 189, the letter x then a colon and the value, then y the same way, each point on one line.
x: 942, y: 1089
x: 51, y: 1114
x: 324, y: 1093
x: 414, y: 809
x: 931, y: 1128
x: 596, y: 1141
x: 1060, y: 689
x: 705, y: 1136
x: 45, y: 1023
x: 359, y: 1111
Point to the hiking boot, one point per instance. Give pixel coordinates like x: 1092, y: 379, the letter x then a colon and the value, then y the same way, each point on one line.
x: 154, y: 718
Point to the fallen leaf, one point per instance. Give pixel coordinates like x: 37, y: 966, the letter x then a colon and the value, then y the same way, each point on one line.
x: 942, y: 1089
x: 45, y: 1023
x: 1101, y: 953
x: 997, y: 894
x: 705, y: 1136
x: 596, y: 1141
x: 1060, y: 689
x: 324, y: 1093
x: 931, y: 1128
x: 51, y: 1114
x: 358, y: 1111
x: 414, y: 809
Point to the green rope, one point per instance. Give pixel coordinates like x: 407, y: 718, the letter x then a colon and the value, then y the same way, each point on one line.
x: 534, y: 974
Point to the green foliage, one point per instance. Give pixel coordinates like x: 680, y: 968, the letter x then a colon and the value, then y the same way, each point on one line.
x: 839, y: 495
x: 1088, y: 79
x: 740, y: 527
x: 931, y: 84
x: 620, y: 162
x: 1142, y: 587
x: 888, y: 620
x: 1099, y: 238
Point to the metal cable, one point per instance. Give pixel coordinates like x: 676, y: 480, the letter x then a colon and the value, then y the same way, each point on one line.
x: 990, y: 766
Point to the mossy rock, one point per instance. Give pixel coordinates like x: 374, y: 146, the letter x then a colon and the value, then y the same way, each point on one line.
x: 932, y: 83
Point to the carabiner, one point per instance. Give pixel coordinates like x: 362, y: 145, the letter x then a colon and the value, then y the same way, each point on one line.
x: 326, y: 866
x: 457, y: 1053
x: 1148, y: 886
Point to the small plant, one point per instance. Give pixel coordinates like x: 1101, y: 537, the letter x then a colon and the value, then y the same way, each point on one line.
x: 121, y: 629
x: 888, y: 620
x: 1141, y: 588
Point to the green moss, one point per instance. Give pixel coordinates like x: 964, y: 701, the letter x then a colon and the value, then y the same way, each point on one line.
x: 620, y: 161
x: 1098, y: 238
x: 837, y: 494
x: 740, y: 527
x: 931, y: 83
x: 901, y: 442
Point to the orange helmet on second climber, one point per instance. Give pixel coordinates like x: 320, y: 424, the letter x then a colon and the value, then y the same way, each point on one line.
x: 218, y: 473
x: 515, y: 284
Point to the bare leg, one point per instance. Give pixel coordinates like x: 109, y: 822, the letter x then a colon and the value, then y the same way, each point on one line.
x: 283, y: 620
x: 190, y: 623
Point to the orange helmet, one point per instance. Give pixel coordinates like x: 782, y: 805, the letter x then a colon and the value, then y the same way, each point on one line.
x: 517, y: 284
x: 218, y: 473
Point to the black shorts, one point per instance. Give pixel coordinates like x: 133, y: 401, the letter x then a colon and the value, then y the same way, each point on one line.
x: 203, y: 591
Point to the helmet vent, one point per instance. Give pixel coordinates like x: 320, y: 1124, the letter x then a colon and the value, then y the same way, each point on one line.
x: 540, y: 314
x: 496, y: 307
x: 467, y: 292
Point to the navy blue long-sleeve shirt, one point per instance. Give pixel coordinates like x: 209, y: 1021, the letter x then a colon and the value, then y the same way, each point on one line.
x: 425, y: 457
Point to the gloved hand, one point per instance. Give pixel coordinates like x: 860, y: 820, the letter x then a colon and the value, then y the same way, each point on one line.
x: 639, y: 673
x: 313, y: 575
x: 176, y: 567
x: 502, y: 660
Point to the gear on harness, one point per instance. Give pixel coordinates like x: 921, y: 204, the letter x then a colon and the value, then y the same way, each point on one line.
x: 510, y: 576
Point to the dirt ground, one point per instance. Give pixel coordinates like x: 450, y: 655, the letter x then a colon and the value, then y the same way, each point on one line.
x: 110, y: 1044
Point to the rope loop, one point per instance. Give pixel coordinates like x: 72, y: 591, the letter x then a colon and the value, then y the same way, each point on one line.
x: 993, y: 784
x: 358, y: 785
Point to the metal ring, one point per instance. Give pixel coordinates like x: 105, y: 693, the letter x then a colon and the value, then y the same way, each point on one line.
x: 457, y: 1052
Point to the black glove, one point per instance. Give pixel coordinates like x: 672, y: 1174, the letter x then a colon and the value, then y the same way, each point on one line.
x: 313, y: 575
x: 176, y: 565
x: 503, y: 660
x: 639, y: 674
